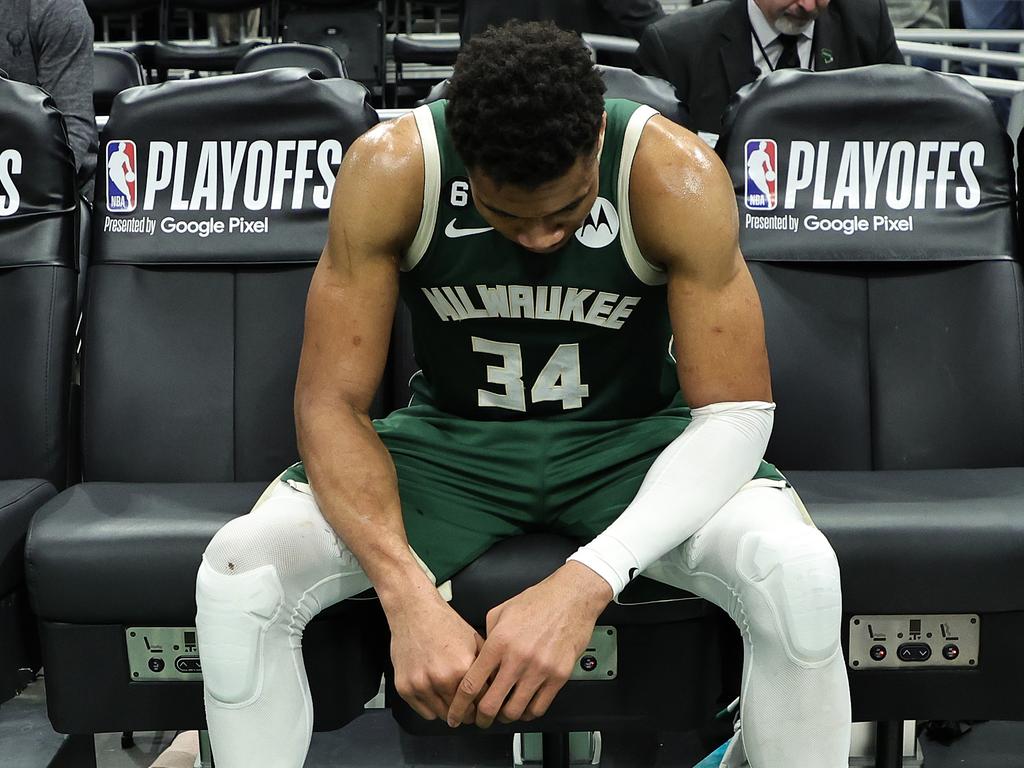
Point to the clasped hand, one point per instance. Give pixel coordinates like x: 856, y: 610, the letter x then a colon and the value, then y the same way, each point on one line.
x: 533, y: 641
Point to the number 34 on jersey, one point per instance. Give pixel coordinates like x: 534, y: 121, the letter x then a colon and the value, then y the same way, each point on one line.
x: 559, y: 380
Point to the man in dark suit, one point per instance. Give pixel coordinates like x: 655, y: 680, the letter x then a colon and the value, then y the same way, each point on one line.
x: 624, y: 18
x: 710, y: 51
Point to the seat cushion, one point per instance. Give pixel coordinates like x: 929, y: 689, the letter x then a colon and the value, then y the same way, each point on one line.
x: 923, y: 541
x: 19, y: 500
x: 514, y: 565
x: 127, y: 552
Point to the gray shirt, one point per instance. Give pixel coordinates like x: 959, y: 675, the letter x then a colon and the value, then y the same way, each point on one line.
x: 49, y: 43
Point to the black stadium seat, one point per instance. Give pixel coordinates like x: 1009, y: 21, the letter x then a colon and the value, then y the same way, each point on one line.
x: 210, y: 218
x: 886, y: 253
x: 319, y: 57
x: 114, y: 70
x: 216, y: 58
x: 38, y: 252
x: 352, y: 28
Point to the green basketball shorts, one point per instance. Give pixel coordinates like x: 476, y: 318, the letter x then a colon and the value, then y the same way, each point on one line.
x: 465, y: 485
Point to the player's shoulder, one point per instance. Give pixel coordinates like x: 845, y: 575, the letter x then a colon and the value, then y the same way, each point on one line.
x: 674, y: 162
x: 681, y: 199
x: 379, y: 195
x: 390, y: 150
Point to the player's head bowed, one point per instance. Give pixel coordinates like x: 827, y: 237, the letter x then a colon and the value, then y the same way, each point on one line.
x: 525, y: 102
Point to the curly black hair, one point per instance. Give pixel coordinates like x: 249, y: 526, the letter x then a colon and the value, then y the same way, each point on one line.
x: 525, y: 102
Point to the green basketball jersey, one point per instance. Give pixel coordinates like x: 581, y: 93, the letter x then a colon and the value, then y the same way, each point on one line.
x: 503, y: 333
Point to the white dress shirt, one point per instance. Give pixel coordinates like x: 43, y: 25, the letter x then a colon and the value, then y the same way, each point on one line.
x: 769, y: 37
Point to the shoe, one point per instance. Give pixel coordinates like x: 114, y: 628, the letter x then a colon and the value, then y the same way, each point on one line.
x: 731, y: 754
x: 714, y: 760
x: 734, y: 756
x: 181, y: 753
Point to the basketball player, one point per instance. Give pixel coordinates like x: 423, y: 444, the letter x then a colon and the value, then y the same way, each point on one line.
x: 548, y: 244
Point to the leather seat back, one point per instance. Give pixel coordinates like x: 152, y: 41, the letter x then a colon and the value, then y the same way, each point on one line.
x: 114, y: 70
x: 211, y: 215
x: 646, y: 89
x: 38, y: 262
x: 319, y: 57
x: 877, y: 213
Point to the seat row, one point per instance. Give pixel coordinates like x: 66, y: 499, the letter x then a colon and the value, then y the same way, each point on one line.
x: 353, y: 29
x: 117, y: 69
x: 877, y: 215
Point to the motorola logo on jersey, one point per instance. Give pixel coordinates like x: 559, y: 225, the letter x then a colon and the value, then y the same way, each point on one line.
x: 601, y: 226
x: 10, y: 166
x: 761, y: 174
x: 122, y: 176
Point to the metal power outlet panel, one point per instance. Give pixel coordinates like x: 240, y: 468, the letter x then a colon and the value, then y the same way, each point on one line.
x: 172, y: 653
x: 600, y: 661
x: 915, y: 641
x: 163, y: 653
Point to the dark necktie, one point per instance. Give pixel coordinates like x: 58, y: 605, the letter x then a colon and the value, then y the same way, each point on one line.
x: 790, y: 58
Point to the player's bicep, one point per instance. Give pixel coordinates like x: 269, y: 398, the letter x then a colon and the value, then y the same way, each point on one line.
x: 347, y: 331
x: 719, y: 333
x: 686, y: 221
x: 715, y: 310
x: 352, y: 296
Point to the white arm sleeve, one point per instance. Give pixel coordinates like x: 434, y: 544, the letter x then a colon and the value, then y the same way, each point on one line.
x: 689, y: 482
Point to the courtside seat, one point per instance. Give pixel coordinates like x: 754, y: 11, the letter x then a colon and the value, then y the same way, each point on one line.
x: 38, y: 253
x: 19, y: 643
x: 114, y: 70
x: 886, y: 254
x: 352, y: 28
x: 319, y: 57
x: 655, y: 626
x: 211, y: 215
x: 425, y: 49
x: 621, y: 84
x: 207, y: 58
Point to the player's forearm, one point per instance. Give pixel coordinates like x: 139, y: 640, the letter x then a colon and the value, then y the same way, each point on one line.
x: 691, y: 480
x: 353, y: 479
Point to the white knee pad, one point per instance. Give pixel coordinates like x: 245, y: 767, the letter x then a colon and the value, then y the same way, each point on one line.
x: 796, y: 573
x: 234, y: 613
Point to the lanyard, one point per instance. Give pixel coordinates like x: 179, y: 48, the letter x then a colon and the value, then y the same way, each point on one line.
x: 760, y: 47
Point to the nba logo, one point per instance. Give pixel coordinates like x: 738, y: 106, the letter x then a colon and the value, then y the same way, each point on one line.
x: 761, y: 175
x: 121, y: 178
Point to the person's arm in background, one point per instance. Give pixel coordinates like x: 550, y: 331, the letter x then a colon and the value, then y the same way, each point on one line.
x: 634, y: 15
x: 888, y: 51
x: 62, y: 40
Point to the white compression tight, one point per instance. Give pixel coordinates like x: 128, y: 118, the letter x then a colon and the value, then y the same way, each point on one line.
x: 266, y: 574
x: 762, y: 561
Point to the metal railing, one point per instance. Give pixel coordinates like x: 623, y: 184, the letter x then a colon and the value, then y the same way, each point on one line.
x: 946, y: 54
x: 982, y: 37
